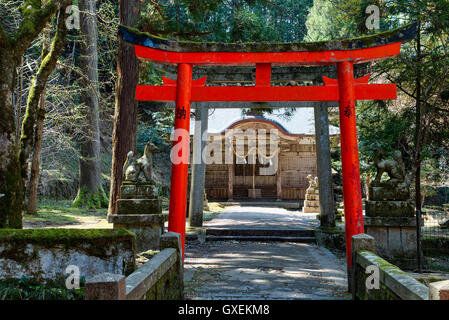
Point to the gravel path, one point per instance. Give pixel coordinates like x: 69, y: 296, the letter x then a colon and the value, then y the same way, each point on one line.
x: 262, y: 270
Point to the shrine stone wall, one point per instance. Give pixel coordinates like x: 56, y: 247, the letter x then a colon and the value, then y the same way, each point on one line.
x: 45, y: 254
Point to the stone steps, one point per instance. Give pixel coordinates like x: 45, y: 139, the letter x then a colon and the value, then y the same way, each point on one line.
x: 262, y: 238
x: 262, y: 235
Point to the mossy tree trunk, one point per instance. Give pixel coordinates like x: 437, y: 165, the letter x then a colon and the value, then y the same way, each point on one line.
x: 31, y: 207
x: 35, y: 16
x: 125, y: 114
x: 35, y: 104
x: 11, y: 190
x: 90, y: 191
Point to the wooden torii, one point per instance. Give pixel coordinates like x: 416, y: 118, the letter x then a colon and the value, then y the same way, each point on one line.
x: 346, y: 90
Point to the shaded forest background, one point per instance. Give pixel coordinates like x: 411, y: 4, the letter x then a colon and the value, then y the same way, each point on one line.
x: 73, y: 117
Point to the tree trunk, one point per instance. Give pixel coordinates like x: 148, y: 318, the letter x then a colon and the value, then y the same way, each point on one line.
x: 11, y: 191
x: 418, y: 132
x: 90, y: 191
x: 34, y: 175
x: 125, y: 114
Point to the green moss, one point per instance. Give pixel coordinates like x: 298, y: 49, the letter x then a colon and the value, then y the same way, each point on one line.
x: 68, y: 237
x: 95, y: 200
x: 383, y: 264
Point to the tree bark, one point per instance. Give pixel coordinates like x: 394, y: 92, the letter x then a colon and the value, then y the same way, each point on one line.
x: 11, y: 190
x: 35, y: 164
x: 90, y: 191
x: 125, y: 114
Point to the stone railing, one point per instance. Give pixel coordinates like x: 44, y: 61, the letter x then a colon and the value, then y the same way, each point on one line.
x: 373, y: 278
x: 161, y: 278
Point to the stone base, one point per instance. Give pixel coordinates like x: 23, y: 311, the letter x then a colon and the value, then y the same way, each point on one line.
x: 306, y: 209
x: 311, y: 206
x: 395, y: 239
x: 331, y: 238
x: 390, y: 208
x: 129, y: 190
x: 139, y: 206
x: 148, y: 228
x: 315, y: 197
x: 380, y: 191
x: 312, y: 203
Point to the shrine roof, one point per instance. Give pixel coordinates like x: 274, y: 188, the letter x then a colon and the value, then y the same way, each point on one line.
x: 134, y: 36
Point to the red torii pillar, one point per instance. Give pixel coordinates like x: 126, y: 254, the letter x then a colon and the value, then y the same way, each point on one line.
x: 179, y: 171
x: 352, y: 190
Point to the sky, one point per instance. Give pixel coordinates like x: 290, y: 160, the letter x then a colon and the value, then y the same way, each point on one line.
x: 302, y: 121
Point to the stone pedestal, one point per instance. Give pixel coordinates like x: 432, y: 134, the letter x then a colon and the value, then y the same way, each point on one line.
x: 395, y: 239
x: 139, y: 210
x: 147, y: 227
x: 390, y: 219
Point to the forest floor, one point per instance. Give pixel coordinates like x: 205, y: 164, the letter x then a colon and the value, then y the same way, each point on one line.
x: 61, y: 214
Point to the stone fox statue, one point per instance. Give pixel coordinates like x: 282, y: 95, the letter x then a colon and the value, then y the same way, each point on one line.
x: 140, y: 169
x: 393, y: 167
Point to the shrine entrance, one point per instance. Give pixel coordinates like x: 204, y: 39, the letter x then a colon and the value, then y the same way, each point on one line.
x: 346, y: 90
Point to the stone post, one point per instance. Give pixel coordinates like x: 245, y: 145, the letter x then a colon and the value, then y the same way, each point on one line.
x: 323, y: 156
x: 358, y: 242
x: 105, y: 286
x: 439, y: 290
x: 198, y: 176
x: 173, y: 240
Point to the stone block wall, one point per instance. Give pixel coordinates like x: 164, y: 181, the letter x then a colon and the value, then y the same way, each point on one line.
x: 392, y: 282
x: 44, y: 254
x: 161, y: 278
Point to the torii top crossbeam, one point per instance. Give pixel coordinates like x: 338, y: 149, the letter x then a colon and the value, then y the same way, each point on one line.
x: 342, y: 53
x: 265, y: 55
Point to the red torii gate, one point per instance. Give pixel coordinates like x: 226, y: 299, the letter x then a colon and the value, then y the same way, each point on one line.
x: 344, y: 54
